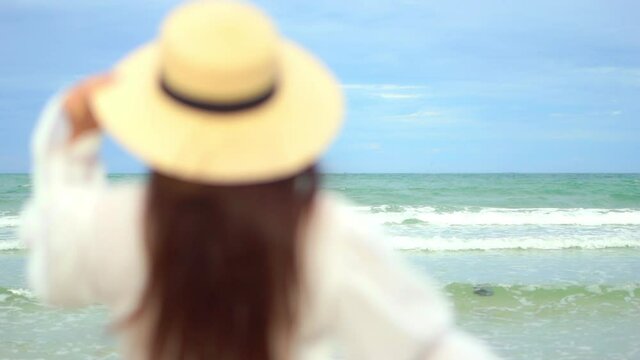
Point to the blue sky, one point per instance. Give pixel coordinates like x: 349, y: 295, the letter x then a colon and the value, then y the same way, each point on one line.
x: 432, y: 86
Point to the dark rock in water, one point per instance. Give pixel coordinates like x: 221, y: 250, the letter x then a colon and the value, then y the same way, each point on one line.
x: 483, y: 290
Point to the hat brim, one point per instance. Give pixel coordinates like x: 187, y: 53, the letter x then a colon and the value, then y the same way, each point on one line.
x: 273, y: 140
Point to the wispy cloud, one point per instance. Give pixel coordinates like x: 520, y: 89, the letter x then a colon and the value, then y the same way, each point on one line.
x: 619, y: 74
x: 430, y: 117
x: 383, y: 87
x: 399, y: 96
x: 368, y: 146
x: 586, y: 135
x: 423, y: 114
x: 594, y: 115
x: 605, y: 70
x: 389, y: 91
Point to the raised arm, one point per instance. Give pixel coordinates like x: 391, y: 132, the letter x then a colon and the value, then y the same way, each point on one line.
x: 59, y: 218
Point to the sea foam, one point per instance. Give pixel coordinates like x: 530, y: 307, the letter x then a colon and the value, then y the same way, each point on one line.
x: 9, y: 221
x: 517, y: 243
x: 7, y: 245
x: 387, y: 214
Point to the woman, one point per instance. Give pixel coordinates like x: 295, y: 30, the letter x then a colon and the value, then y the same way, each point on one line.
x: 229, y: 251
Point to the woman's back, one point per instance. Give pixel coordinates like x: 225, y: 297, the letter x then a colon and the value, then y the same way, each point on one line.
x: 356, y: 294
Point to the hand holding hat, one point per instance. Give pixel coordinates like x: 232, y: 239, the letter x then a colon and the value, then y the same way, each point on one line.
x: 77, y: 104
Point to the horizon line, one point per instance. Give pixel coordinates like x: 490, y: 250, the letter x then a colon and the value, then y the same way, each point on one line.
x: 417, y: 173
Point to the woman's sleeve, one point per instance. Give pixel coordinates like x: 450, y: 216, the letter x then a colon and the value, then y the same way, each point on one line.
x: 58, y: 221
x: 387, y: 311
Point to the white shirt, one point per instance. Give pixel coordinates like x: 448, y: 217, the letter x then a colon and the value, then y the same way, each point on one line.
x: 86, y: 246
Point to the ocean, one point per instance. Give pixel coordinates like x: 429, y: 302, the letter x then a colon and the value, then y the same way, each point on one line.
x: 541, y: 266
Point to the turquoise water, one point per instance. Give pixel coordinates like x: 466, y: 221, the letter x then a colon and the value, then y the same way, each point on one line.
x: 540, y: 266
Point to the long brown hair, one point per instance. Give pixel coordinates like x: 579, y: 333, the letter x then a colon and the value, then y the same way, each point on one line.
x: 223, y: 263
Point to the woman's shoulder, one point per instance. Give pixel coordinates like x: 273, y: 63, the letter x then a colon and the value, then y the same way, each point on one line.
x: 125, y: 195
x: 120, y: 210
x: 377, y: 287
x: 334, y: 207
x: 343, y: 233
x: 347, y: 220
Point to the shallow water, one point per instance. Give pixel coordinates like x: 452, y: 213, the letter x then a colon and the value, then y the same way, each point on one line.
x: 540, y: 266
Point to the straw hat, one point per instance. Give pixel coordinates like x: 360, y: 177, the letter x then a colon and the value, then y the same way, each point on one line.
x: 221, y: 97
